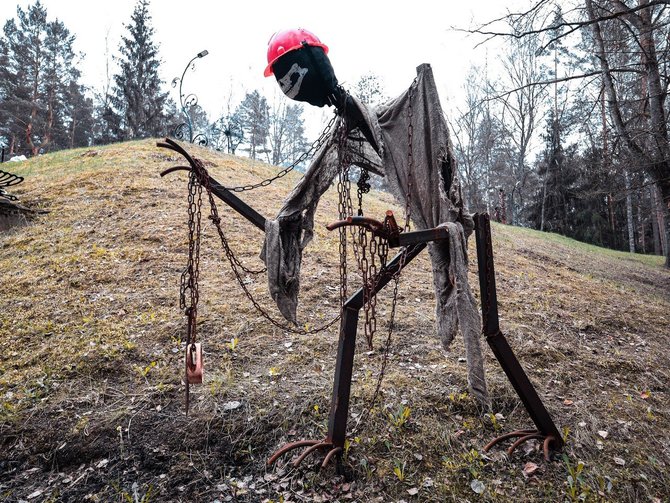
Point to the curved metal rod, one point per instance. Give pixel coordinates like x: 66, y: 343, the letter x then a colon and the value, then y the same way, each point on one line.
x: 545, y: 446
x: 173, y: 145
x: 367, y: 222
x: 290, y: 447
x: 329, y: 456
x: 173, y: 169
x: 518, y: 433
x: 309, y: 450
x: 521, y: 440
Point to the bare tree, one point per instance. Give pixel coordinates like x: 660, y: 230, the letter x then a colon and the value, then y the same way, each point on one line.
x: 630, y: 54
x: 521, y: 108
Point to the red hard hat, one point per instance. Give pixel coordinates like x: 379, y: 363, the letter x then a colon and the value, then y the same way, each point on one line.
x: 289, y: 40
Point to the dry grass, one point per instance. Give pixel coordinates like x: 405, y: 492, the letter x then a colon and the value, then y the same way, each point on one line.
x: 91, y: 404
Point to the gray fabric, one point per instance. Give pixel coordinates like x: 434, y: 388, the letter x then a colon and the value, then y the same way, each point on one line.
x: 435, y: 199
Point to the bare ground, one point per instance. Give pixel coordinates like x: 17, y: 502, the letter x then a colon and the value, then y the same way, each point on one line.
x: 92, y: 339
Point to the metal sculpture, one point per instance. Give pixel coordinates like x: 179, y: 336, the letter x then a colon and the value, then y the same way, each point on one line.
x: 298, y: 60
x: 184, y: 131
x: 8, y: 180
x: 413, y: 244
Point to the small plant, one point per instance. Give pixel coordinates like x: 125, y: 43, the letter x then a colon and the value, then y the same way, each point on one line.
x: 494, y: 422
x: 473, y: 462
x: 144, y: 372
x: 367, y: 467
x: 233, y: 343
x: 135, y: 496
x: 399, y: 470
x: 399, y: 417
x: 577, y: 489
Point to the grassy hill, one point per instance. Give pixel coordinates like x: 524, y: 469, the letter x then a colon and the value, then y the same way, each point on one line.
x: 91, y: 401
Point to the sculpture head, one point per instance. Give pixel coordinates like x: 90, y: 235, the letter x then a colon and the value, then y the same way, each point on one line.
x: 299, y: 61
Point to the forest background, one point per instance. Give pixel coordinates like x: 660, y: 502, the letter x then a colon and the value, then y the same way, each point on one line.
x: 564, y: 131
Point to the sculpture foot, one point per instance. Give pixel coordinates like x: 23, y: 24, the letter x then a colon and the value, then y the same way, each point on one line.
x: 312, y: 445
x: 524, y: 436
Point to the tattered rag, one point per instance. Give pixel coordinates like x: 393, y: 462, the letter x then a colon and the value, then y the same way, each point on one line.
x: 429, y: 183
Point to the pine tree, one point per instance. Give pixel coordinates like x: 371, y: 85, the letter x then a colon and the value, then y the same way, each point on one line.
x: 254, y: 112
x: 37, y: 71
x: 137, y: 102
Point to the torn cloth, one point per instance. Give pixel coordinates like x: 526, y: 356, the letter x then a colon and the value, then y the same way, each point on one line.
x: 435, y: 199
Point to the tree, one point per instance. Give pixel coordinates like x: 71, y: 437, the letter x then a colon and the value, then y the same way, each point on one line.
x: 645, y: 134
x: 520, y: 112
x: 137, y: 102
x: 370, y: 89
x: 630, y: 50
x: 287, y: 132
x: 254, y: 113
x: 38, y: 77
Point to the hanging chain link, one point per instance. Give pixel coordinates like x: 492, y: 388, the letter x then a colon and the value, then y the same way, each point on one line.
x: 188, y: 290
x: 202, y: 176
x: 363, y: 185
x: 314, y: 147
x: 343, y: 206
x: 410, y: 155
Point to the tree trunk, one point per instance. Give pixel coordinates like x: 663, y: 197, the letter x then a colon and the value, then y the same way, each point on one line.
x: 664, y: 189
x: 656, y: 230
x: 654, y: 153
x: 629, y: 214
x: 641, y: 222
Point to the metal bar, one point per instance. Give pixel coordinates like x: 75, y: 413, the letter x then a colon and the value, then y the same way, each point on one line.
x: 497, y: 341
x: 339, y: 407
x: 217, y: 189
x: 237, y: 204
x: 410, y: 238
x: 396, y: 264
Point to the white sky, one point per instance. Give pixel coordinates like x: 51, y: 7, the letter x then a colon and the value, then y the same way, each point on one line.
x: 388, y: 38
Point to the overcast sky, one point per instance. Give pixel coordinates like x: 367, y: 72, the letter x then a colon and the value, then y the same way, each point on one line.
x: 387, y: 38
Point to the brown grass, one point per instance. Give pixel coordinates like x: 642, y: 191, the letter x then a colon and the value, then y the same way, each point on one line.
x: 91, y: 405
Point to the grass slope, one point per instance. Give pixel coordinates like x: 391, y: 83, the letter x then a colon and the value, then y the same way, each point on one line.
x: 91, y: 405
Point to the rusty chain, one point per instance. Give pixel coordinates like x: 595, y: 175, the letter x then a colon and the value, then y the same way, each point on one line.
x: 315, y: 146
x: 410, y: 155
x: 202, y: 175
x: 343, y: 207
x: 189, y: 278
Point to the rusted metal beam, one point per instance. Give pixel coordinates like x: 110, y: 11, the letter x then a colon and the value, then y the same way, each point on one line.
x: 217, y: 189
x: 546, y: 429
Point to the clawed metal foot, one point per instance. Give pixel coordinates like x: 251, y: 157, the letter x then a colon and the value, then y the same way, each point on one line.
x: 312, y: 445
x: 524, y: 436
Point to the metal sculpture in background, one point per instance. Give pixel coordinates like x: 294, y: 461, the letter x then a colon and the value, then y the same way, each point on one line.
x: 187, y: 103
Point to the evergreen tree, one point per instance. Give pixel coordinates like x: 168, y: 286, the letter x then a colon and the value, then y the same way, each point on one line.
x: 136, y: 108
x: 254, y: 113
x: 37, y: 73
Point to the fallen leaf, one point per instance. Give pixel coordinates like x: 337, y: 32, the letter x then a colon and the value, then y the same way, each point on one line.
x: 529, y: 469
x: 35, y: 494
x: 413, y: 491
x: 232, y: 405
x: 620, y: 461
x: 645, y: 395
x: 477, y: 486
x: 568, y: 402
x: 603, y: 433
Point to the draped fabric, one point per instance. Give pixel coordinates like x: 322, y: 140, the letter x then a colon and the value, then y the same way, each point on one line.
x: 434, y: 194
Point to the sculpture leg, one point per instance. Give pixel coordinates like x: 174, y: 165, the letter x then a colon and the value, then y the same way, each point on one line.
x: 546, y: 429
